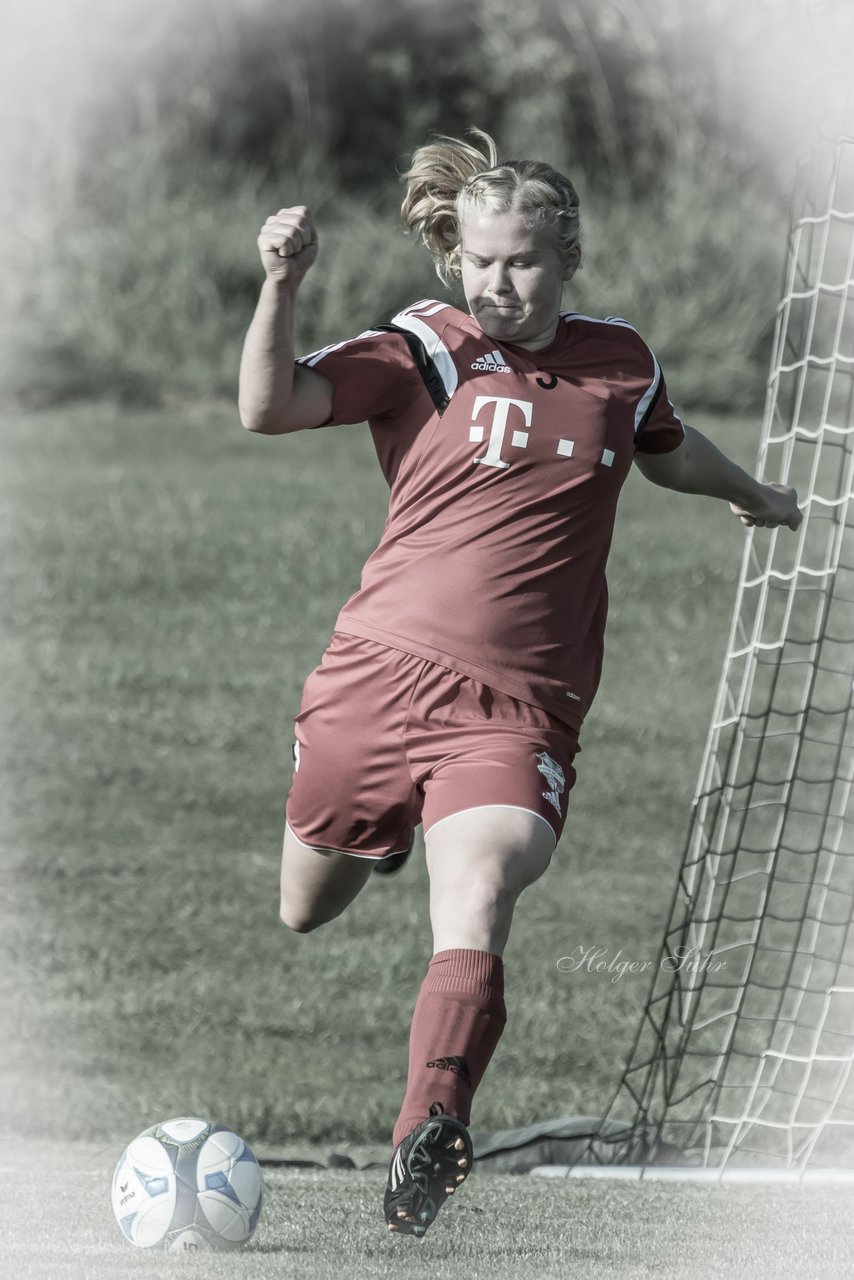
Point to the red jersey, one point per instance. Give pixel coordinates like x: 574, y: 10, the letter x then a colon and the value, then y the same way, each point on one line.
x: 505, y: 466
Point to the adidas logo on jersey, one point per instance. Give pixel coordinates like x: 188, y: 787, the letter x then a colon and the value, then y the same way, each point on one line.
x: 491, y: 363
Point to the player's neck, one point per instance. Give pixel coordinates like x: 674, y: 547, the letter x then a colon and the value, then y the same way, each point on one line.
x: 540, y: 341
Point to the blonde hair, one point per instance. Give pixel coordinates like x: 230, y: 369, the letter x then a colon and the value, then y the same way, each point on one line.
x: 449, y: 178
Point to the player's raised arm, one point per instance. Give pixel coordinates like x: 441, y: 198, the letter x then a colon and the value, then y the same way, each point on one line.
x: 698, y: 466
x: 275, y: 395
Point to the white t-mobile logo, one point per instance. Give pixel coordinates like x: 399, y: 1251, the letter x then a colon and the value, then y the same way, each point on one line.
x: 500, y: 416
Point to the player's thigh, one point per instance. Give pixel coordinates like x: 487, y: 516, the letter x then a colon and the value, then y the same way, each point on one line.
x: 488, y: 851
x: 316, y: 884
x: 496, y: 775
x: 495, y: 772
x: 479, y: 861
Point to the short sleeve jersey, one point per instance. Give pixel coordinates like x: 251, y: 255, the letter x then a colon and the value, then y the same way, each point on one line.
x: 505, y: 466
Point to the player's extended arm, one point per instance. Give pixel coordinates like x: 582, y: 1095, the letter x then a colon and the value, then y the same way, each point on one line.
x: 698, y: 466
x: 275, y: 395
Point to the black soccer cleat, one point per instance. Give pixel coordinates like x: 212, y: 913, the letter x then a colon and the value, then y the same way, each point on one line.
x: 392, y: 861
x: 427, y: 1167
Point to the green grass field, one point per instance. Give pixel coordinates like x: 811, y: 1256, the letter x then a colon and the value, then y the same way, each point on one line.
x: 321, y: 1225
x: 168, y: 581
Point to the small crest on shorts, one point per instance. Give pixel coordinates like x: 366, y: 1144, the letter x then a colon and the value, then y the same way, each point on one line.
x: 296, y: 757
x: 554, y: 776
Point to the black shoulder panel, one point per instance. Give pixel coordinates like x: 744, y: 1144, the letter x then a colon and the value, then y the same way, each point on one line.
x: 424, y: 364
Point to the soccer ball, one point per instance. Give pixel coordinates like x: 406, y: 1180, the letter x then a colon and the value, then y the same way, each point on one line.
x: 187, y: 1185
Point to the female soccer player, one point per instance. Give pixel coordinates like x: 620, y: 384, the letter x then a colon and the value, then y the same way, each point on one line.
x: 458, y: 675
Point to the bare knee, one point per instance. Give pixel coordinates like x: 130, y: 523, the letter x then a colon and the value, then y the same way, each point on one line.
x: 316, y: 884
x: 489, y: 900
x: 475, y: 916
x: 301, y: 918
x: 297, y: 923
x: 483, y: 892
x: 477, y: 872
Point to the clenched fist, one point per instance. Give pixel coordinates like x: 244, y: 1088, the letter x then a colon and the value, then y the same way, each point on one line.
x: 775, y: 504
x: 288, y: 245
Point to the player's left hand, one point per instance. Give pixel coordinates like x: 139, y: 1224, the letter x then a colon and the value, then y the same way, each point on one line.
x: 775, y: 504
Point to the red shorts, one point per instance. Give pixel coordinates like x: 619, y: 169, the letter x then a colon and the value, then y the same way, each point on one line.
x: 385, y: 740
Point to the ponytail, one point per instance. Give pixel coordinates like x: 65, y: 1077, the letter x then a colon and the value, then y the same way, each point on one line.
x: 438, y: 173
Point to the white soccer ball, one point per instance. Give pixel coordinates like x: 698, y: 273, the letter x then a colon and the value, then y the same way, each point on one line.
x: 187, y: 1185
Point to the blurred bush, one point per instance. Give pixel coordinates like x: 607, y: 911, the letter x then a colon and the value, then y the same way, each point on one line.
x: 182, y: 128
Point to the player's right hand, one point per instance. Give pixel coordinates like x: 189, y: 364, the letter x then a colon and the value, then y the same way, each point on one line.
x: 775, y: 504
x: 288, y: 245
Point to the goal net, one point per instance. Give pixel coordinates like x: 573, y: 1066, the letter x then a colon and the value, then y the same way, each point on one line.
x: 745, y: 1049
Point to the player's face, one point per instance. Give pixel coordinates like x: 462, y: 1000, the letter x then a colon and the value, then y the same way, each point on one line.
x: 512, y: 278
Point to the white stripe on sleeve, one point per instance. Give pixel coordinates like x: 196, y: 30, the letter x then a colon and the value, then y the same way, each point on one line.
x: 647, y: 397
x: 314, y: 357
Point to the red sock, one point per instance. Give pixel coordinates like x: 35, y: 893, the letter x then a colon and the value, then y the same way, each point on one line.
x: 458, y: 1020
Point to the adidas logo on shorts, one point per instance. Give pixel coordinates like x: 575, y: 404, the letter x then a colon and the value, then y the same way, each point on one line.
x: 554, y: 776
x: 491, y: 363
